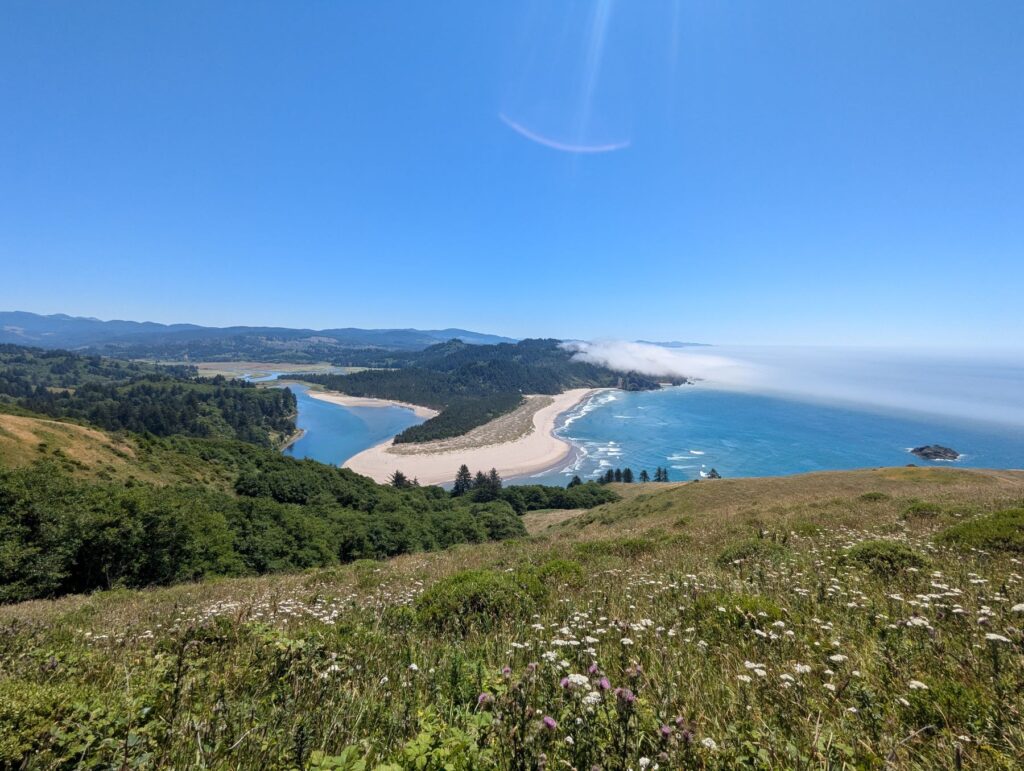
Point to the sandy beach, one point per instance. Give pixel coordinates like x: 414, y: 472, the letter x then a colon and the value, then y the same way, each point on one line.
x: 360, y: 401
x: 436, y: 462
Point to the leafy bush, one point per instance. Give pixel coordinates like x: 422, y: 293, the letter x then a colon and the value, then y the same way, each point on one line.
x: 478, y: 599
x: 885, y: 558
x: 1002, y: 531
x: 922, y: 510
x: 751, y: 550
x: 628, y: 548
x: 561, y: 571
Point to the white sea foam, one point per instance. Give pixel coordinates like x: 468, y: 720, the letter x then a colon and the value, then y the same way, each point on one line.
x: 696, y: 452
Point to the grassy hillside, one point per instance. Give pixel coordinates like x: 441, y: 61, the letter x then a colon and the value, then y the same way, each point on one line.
x: 862, y: 619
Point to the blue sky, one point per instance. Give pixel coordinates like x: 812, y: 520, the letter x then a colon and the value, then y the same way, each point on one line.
x: 784, y: 172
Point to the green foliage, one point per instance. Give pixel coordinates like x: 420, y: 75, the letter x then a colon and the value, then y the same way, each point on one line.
x: 1002, y: 531
x: 461, y: 416
x: 873, y: 497
x: 525, y: 498
x: 59, y: 534
x: 922, y: 510
x: 751, y: 550
x: 479, y: 600
x: 885, y: 558
x: 143, y: 398
x: 629, y: 548
x: 558, y: 571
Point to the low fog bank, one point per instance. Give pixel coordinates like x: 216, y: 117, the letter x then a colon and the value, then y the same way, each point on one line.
x: 959, y: 384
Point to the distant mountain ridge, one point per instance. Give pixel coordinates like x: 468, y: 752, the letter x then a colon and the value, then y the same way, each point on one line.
x: 152, y: 339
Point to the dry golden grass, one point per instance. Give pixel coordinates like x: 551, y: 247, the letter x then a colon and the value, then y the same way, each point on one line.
x: 24, y: 440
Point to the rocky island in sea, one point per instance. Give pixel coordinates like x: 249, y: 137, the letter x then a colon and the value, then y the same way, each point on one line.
x: 935, y: 452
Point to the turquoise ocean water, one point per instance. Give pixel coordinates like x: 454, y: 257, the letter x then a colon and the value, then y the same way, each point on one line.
x: 689, y: 429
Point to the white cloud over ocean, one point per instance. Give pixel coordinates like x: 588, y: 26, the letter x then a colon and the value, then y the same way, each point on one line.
x: 951, y: 383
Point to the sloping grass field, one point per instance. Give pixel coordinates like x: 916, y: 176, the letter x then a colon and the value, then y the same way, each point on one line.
x: 867, y: 619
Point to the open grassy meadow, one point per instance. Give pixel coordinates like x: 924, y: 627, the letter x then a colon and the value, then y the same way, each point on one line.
x: 865, y: 619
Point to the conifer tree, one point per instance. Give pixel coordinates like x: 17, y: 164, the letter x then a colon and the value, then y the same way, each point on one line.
x: 627, y: 475
x: 398, y: 479
x: 574, y: 482
x: 463, y: 481
x: 618, y: 475
x: 644, y: 476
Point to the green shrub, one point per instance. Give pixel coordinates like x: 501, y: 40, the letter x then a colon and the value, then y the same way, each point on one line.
x: 886, y: 558
x: 615, y: 547
x: 922, y: 510
x: 561, y: 571
x: 751, y: 550
x: 1002, y: 531
x: 479, y: 599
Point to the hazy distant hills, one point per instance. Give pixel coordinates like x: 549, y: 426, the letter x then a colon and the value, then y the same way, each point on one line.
x: 174, y: 341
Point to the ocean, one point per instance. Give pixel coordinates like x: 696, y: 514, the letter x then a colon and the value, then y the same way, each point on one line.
x: 695, y: 428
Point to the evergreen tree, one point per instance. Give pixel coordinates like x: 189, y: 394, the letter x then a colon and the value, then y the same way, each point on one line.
x: 609, y: 477
x: 463, y: 481
x: 664, y: 475
x: 398, y: 479
x: 618, y: 475
x: 627, y: 475
x: 494, y: 480
x: 644, y: 476
x: 479, y: 481
x: 574, y: 482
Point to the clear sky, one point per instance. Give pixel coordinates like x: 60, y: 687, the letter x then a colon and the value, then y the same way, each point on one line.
x: 747, y: 172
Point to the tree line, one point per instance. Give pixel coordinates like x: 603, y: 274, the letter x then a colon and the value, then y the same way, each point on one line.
x: 626, y: 476
x: 143, y: 398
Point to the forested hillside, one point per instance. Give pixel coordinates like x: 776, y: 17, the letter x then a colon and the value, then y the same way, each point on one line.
x: 91, y: 512
x: 472, y: 384
x: 132, y: 396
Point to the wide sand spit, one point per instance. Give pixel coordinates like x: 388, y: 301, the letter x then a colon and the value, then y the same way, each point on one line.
x: 517, y: 444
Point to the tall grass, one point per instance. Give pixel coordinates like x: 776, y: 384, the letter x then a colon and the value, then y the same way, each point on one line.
x: 736, y: 636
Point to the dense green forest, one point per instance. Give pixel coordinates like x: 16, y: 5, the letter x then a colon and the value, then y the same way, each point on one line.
x: 234, y: 509
x: 472, y: 384
x: 460, y: 416
x: 143, y: 398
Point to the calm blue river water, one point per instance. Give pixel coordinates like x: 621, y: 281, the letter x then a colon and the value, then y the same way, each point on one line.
x: 334, y: 433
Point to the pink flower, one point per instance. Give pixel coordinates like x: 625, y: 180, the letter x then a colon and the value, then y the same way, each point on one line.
x: 550, y: 723
x: 604, y: 684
